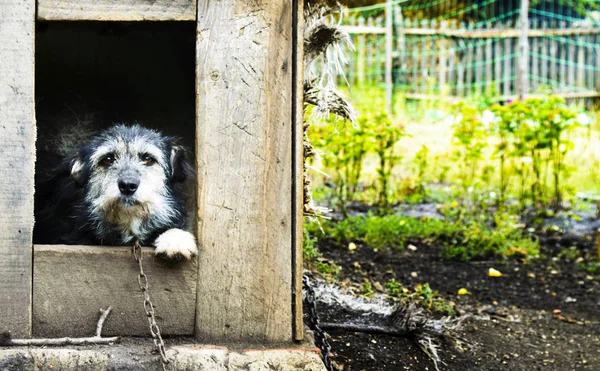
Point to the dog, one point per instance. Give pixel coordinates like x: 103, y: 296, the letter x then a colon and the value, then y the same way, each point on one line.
x: 128, y: 183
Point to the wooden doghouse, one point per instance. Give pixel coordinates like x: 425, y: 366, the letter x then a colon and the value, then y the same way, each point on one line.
x: 246, y: 282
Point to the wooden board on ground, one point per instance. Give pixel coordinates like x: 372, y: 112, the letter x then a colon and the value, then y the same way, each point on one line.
x: 244, y: 161
x: 72, y: 283
x: 17, y: 159
x: 123, y: 10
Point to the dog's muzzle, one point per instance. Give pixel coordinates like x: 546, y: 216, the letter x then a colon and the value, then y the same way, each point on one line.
x: 128, y: 186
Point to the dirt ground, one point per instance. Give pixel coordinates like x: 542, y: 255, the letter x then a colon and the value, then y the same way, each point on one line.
x: 542, y: 314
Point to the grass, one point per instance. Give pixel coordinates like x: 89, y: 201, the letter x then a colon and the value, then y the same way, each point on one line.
x: 464, y: 240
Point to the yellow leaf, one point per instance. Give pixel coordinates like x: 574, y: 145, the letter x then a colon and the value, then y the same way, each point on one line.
x: 352, y: 246
x: 463, y: 291
x: 494, y: 273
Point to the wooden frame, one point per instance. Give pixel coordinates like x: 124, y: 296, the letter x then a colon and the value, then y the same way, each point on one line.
x: 246, y: 283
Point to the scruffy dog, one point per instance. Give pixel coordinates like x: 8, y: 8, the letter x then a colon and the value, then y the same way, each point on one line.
x: 128, y: 183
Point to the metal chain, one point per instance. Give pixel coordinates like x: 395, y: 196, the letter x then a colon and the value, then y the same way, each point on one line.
x: 149, y: 307
x: 321, y: 338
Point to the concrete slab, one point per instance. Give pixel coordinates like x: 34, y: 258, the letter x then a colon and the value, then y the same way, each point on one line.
x: 138, y: 354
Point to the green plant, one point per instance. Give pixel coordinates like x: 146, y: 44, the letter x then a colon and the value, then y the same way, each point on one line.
x: 395, y: 288
x: 422, y: 166
x: 386, y: 138
x: 367, y: 289
x: 309, y: 247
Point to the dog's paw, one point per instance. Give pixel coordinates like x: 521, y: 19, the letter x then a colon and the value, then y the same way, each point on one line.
x: 176, y: 244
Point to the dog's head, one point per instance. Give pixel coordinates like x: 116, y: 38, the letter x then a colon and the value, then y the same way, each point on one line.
x: 129, y: 173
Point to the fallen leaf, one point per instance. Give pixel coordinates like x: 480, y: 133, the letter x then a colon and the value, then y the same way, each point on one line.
x: 351, y: 246
x: 494, y: 273
x: 463, y: 291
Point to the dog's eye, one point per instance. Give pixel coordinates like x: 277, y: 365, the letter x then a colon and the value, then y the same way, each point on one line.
x: 107, y: 160
x: 147, y: 159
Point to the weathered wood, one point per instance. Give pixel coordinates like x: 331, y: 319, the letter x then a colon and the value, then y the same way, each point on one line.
x: 498, y: 63
x: 389, y: 43
x: 489, y: 58
x: 508, y: 55
x: 17, y: 159
x: 72, y: 283
x: 298, y: 170
x: 534, y: 60
x: 479, y: 83
x: 426, y: 50
x: 523, y: 54
x: 475, y: 34
x: 244, y: 156
x: 123, y: 10
x: 469, y: 67
x: 371, y: 50
x: 415, y: 57
x: 401, y: 73
x: 451, y: 64
x: 544, y: 51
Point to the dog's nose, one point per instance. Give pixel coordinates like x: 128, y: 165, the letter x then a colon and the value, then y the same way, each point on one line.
x: 128, y: 186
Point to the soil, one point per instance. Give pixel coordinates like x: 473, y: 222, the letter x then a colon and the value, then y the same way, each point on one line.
x: 542, y: 314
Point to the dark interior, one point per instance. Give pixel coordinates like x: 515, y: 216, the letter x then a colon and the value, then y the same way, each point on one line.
x: 91, y: 75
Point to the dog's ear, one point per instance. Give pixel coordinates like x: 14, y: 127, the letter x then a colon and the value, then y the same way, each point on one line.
x: 79, y: 169
x: 180, y: 169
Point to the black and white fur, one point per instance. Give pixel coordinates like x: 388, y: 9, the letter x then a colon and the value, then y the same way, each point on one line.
x: 128, y: 183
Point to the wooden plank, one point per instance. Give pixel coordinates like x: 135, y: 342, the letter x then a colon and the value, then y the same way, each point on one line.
x: 389, y: 43
x: 371, y: 49
x: 443, y: 59
x: 455, y: 99
x: 534, y: 59
x: 489, y: 58
x: 123, y: 10
x: 401, y: 74
x: 476, y: 34
x: 469, y: 67
x: 554, y: 68
x: 361, y: 29
x: 298, y: 170
x: 415, y: 42
x: 498, y: 63
x: 479, y: 83
x: 581, y: 69
x: 523, y: 54
x: 451, y: 63
x: 17, y: 160
x: 544, y: 51
x: 361, y: 51
x: 71, y: 284
x: 508, y: 54
x: 244, y: 156
x: 379, y: 54
x: 426, y: 49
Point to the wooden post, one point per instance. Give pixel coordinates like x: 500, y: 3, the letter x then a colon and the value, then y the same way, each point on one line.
x: 298, y: 168
x: 401, y: 46
x: 522, y: 77
x: 389, y: 40
x: 498, y: 61
x: 361, y: 52
x: 443, y: 61
x: 17, y: 160
x: 244, y: 158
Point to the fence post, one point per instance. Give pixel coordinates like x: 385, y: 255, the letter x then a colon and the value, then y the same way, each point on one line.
x: 389, y: 39
x: 443, y: 45
x: 523, y: 51
x: 361, y: 53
